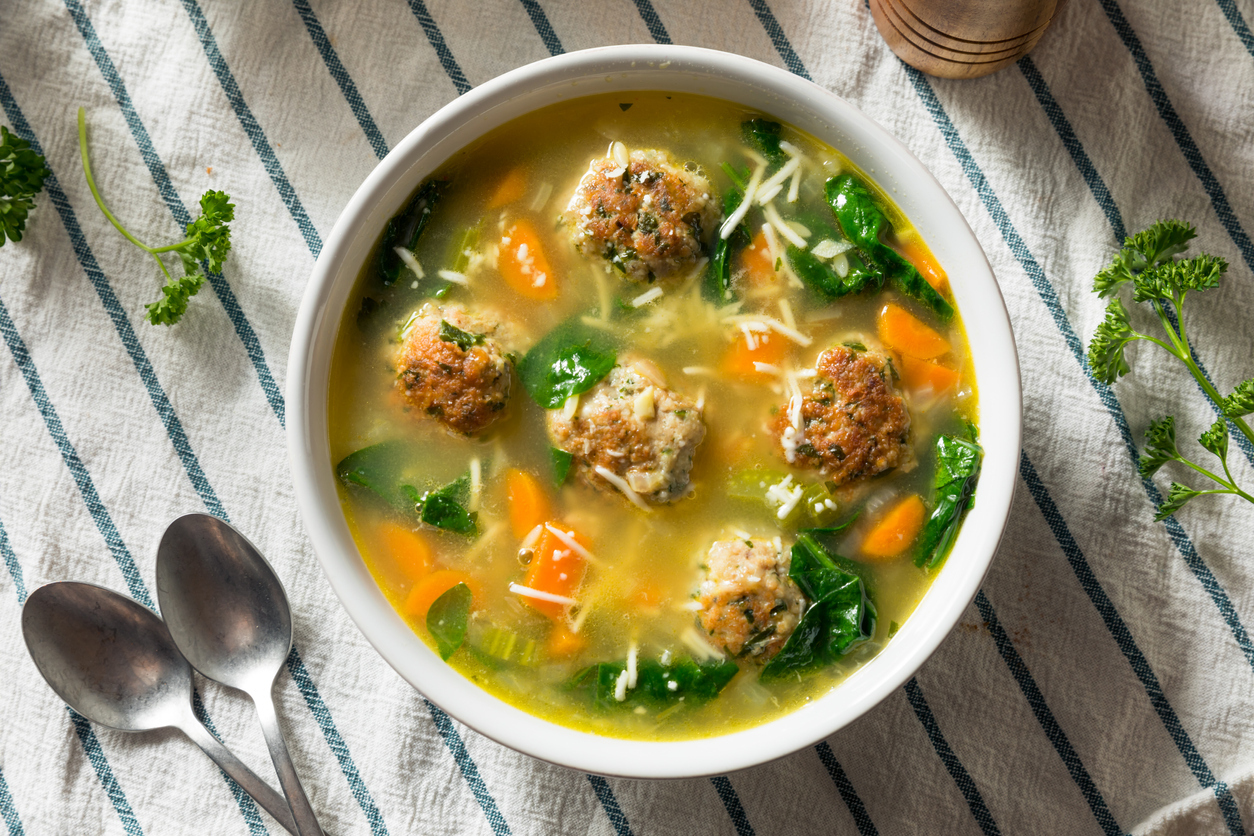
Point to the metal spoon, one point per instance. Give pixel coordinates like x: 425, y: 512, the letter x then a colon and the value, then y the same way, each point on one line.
x: 229, y: 616
x: 111, y: 659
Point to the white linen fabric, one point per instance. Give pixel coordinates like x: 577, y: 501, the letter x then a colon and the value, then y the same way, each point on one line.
x: 1099, y: 684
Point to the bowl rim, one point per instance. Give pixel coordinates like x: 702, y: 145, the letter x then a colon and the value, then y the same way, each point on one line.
x: 669, y: 68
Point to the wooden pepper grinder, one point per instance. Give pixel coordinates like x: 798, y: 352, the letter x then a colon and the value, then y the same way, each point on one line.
x: 962, y: 38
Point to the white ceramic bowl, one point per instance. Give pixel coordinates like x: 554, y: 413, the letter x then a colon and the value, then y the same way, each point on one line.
x: 785, y: 97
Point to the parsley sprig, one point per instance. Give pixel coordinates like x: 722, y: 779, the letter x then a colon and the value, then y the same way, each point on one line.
x: 1148, y: 261
x: 207, y: 243
x: 22, y: 175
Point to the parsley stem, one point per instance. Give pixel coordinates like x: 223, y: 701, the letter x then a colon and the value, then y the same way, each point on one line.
x: 95, y: 193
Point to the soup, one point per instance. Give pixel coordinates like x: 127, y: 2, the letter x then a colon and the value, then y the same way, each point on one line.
x: 652, y: 416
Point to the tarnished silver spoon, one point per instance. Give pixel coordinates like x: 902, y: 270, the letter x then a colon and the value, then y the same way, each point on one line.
x: 112, y: 660
x: 228, y: 614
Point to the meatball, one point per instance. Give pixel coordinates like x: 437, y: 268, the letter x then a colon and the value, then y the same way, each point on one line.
x: 749, y: 605
x: 853, y: 424
x: 451, y: 366
x: 643, y: 214
x: 633, y: 428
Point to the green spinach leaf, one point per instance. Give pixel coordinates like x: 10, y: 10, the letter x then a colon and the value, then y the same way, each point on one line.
x: 695, y: 683
x: 718, y: 280
x: 826, y: 282
x: 569, y: 360
x: 864, y: 223
x: 450, y: 333
x: 447, y: 619
x: 405, y: 229
x: 378, y: 469
x: 561, y: 464
x: 953, y: 487
x: 763, y: 136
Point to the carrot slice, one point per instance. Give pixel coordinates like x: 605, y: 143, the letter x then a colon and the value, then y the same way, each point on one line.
x: 424, y: 593
x: 920, y: 375
x: 903, y: 332
x: 528, y: 503
x: 757, y: 261
x: 555, y: 568
x: 913, y: 250
x: 523, y: 264
x: 896, y: 530
x: 510, y: 190
x: 409, y: 549
x: 769, y: 348
x: 563, y: 642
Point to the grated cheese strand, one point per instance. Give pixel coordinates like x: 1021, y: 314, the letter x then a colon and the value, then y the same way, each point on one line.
x: 540, y: 595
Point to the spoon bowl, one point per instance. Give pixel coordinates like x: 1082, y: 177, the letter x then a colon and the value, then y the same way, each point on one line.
x: 112, y: 660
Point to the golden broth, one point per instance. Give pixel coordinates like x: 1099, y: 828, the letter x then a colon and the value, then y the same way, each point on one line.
x: 647, y: 565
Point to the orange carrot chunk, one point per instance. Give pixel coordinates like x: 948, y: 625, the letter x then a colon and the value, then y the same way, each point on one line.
x: 424, y: 593
x: 757, y: 261
x: 767, y: 347
x: 921, y: 375
x: 409, y: 549
x: 563, y: 642
x: 896, y: 530
x: 523, y: 264
x: 528, y: 503
x: 510, y: 190
x: 916, y: 252
x: 903, y: 332
x: 555, y: 568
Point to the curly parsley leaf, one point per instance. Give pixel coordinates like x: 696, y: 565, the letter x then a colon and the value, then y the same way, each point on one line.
x: 1176, y: 499
x: 1112, y: 337
x: 207, y: 243
x: 1169, y: 282
x: 1147, y: 248
x: 22, y: 175
x: 1160, y: 446
x: 1241, y: 401
x: 1216, y: 439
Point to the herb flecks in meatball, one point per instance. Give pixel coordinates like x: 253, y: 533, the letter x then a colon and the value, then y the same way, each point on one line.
x: 647, y: 217
x: 853, y: 423
x: 633, y: 428
x: 451, y: 367
x: 749, y: 606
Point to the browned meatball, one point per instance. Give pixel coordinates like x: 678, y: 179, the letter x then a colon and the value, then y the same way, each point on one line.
x: 749, y: 605
x: 636, y: 430
x: 450, y: 366
x: 643, y: 214
x: 852, y: 424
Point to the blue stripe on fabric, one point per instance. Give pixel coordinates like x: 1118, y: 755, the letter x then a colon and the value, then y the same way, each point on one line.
x: 962, y: 778
x: 252, y: 816
x: 653, y: 22
x: 252, y: 128
x: 347, y: 87
x: 541, y: 21
x: 121, y: 555
x: 610, y: 804
x: 86, y: 736
x: 160, y: 401
x: 1239, y: 26
x: 1192, y: 154
x: 776, y: 33
x: 1127, y: 644
x: 471, y: 772
x: 735, y: 811
x: 1072, y: 143
x: 844, y: 786
x: 1050, y: 296
x: 1049, y: 724
x: 96, y: 757
x: 243, y: 329
x: 1102, y: 195
x: 8, y: 810
x: 436, y: 37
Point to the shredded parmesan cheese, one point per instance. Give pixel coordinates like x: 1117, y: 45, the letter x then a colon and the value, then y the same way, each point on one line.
x: 410, y: 261
x: 772, y: 323
x: 620, y: 687
x: 571, y: 542
x: 455, y: 277
x: 647, y: 297
x: 476, y: 484
x: 734, y: 219
x: 781, y: 227
x: 533, y: 536
x: 631, y: 665
x: 618, y: 482
x: 540, y: 595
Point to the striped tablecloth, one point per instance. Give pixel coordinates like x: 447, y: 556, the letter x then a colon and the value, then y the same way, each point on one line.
x: 1099, y: 683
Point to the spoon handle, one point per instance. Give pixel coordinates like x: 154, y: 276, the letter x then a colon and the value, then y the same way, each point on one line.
x: 306, y: 822
x: 248, y: 780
